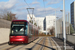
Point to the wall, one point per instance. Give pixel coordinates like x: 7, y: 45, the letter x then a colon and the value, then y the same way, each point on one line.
x: 4, y: 35
x: 4, y: 23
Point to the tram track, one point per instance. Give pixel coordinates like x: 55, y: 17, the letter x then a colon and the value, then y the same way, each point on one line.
x: 17, y: 47
x: 54, y: 45
x: 23, y: 47
x: 50, y: 44
x: 47, y: 44
x: 38, y: 44
x: 4, y: 47
x: 3, y: 43
x: 42, y: 47
x: 42, y: 43
x: 32, y: 45
x: 57, y: 46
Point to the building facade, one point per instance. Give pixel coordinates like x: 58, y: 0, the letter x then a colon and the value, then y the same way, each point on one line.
x: 73, y: 14
x: 32, y: 16
x: 39, y: 21
x: 44, y: 22
x: 50, y: 21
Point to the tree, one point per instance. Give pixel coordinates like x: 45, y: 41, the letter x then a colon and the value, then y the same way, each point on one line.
x: 51, y: 30
x: 32, y: 22
x: 9, y: 16
x: 39, y: 27
x: 35, y: 24
x: 71, y: 29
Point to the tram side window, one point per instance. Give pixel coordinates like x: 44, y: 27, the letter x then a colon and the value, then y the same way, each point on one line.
x: 34, y: 31
x: 30, y: 31
x: 26, y: 30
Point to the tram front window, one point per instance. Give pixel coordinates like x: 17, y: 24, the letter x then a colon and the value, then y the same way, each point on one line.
x: 17, y: 29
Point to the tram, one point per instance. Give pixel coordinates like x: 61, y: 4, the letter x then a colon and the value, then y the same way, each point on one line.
x: 22, y: 32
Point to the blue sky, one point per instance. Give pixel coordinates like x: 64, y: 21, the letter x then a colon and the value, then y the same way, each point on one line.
x: 18, y: 7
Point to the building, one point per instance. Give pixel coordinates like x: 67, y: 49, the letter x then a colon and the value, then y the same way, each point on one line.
x: 50, y: 21
x: 32, y: 16
x: 39, y: 21
x: 73, y: 14
x: 44, y: 22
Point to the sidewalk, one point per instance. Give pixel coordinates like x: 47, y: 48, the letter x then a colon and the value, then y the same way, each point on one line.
x: 60, y: 43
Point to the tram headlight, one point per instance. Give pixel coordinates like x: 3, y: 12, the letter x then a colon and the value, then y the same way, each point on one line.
x: 11, y: 42
x: 11, y: 36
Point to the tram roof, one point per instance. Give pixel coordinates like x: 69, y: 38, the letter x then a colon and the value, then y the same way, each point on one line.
x: 19, y: 21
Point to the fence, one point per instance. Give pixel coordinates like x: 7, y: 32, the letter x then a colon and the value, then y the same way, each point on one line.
x: 70, y: 38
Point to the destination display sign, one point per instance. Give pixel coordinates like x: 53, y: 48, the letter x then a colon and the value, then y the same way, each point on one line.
x: 18, y: 22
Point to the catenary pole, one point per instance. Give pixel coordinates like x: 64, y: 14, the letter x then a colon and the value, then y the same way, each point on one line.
x: 55, y: 25
x: 64, y: 33
x: 69, y: 21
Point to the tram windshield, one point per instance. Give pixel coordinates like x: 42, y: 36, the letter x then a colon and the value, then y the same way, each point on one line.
x: 17, y: 29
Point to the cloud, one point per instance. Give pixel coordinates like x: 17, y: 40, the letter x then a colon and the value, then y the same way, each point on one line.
x: 8, y: 5
x: 53, y: 2
x: 19, y: 8
x: 13, y: 6
x: 35, y: 3
x: 21, y: 15
x: 41, y: 12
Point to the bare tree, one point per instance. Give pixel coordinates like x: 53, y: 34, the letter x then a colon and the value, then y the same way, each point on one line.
x: 51, y: 30
x: 39, y: 27
x: 9, y: 16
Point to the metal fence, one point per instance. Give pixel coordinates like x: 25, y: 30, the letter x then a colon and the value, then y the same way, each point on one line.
x: 70, y: 38
x: 59, y: 25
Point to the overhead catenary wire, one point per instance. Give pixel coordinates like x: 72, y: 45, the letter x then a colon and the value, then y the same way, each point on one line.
x: 29, y: 14
x: 44, y: 6
x: 26, y: 3
x: 45, y: 13
x: 28, y: 8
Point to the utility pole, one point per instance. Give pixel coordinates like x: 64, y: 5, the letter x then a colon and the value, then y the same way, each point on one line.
x: 46, y: 27
x: 62, y: 22
x: 57, y: 22
x: 69, y: 21
x: 64, y: 33
x: 66, y: 24
x: 55, y: 25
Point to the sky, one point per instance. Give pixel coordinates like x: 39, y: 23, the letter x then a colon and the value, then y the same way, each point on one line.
x: 41, y: 9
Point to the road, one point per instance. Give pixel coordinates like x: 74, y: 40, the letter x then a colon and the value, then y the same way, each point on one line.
x: 42, y: 43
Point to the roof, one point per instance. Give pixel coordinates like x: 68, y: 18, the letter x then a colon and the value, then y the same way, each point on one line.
x: 19, y: 21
